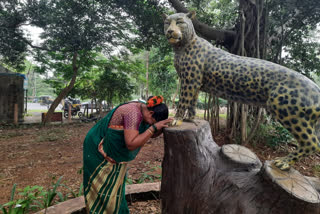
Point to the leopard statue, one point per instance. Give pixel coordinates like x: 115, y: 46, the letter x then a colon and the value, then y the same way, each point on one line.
x: 293, y: 99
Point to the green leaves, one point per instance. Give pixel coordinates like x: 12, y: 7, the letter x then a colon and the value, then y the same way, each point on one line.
x: 163, y: 76
x: 26, y: 202
x: 33, y: 198
x: 114, y: 83
x: 12, y: 48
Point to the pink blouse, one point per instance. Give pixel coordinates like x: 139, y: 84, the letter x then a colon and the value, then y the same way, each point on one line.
x: 128, y: 115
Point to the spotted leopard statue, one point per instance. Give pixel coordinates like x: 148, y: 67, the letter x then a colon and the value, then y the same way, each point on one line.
x: 293, y: 99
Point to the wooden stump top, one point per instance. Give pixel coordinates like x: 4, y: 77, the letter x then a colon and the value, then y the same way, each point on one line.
x: 240, y: 154
x: 188, y: 125
x: 292, y: 182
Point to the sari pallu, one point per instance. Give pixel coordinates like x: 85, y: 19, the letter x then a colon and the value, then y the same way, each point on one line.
x: 104, y: 182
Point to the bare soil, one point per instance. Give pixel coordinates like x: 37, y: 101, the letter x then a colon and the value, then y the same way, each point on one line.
x: 31, y: 155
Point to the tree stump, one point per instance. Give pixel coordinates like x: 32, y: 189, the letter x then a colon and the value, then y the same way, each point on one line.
x: 199, y: 177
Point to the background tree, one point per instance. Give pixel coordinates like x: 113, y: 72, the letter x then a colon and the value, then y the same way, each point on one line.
x: 163, y: 76
x: 71, y: 29
x: 12, y: 49
x: 114, y: 85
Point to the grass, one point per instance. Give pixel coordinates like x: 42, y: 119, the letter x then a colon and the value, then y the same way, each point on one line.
x: 316, y: 170
x: 11, y: 135
x: 52, y: 135
x: 223, y: 116
x: 35, y: 198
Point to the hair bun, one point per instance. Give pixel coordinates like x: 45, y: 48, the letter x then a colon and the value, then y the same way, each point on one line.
x: 155, y: 100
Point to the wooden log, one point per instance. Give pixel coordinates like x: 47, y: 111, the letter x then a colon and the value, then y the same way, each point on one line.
x: 69, y: 113
x: 199, y: 177
x: 77, y: 205
x: 15, y: 114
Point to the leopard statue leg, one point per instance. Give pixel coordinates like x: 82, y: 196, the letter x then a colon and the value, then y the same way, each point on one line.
x: 308, y: 143
x: 192, y: 109
x: 304, y: 132
x: 187, y: 101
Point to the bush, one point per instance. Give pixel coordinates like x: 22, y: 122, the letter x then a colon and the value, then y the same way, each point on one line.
x: 36, y: 197
x: 273, y: 134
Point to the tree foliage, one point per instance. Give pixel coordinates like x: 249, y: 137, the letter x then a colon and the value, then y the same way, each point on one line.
x: 12, y: 48
x: 114, y: 85
x: 304, y: 56
x: 163, y: 76
x: 290, y: 22
x: 108, y: 79
x: 71, y: 30
x: 219, y: 14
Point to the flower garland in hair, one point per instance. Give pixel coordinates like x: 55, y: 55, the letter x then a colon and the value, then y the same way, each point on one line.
x: 155, y: 100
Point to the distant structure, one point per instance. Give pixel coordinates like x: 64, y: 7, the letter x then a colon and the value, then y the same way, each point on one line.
x: 11, y: 93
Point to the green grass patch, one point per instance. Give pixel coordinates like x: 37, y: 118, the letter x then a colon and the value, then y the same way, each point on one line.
x: 316, y: 170
x: 52, y: 135
x: 223, y: 116
x: 34, y: 198
x: 11, y: 135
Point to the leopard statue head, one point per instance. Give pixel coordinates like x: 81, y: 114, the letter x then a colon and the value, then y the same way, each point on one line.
x: 178, y: 28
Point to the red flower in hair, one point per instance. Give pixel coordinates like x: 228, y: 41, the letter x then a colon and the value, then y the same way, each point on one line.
x: 155, y: 100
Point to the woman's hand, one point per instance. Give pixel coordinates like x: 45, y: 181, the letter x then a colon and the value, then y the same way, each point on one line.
x: 135, y: 140
x: 163, y: 123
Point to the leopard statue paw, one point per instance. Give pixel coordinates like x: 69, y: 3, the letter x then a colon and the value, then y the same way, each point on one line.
x: 283, y: 163
x: 188, y: 120
x: 176, y: 122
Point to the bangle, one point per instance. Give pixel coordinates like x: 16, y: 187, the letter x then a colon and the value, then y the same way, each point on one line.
x: 150, y: 131
x: 155, y: 128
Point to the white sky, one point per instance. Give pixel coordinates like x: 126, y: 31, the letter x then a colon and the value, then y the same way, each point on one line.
x: 33, y: 32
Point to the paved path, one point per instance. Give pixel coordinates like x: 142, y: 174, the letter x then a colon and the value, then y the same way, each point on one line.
x: 35, y: 117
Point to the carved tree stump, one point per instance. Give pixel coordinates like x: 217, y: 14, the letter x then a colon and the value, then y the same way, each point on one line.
x: 198, y: 177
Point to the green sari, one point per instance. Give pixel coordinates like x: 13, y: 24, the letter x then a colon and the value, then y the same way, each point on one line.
x: 104, y: 182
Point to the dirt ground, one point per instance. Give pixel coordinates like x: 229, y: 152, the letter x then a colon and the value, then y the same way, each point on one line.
x: 32, y: 155
x: 39, y: 156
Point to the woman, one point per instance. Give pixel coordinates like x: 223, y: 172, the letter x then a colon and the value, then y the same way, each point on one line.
x: 110, y: 144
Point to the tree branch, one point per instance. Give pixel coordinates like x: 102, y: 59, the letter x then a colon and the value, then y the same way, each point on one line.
x: 225, y: 37
x: 33, y: 46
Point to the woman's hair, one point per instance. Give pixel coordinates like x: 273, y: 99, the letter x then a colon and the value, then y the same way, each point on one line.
x: 161, y: 111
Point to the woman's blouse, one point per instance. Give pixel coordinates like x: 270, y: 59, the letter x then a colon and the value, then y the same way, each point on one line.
x: 128, y: 115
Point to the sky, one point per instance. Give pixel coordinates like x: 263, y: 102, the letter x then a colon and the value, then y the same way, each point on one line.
x: 34, y: 33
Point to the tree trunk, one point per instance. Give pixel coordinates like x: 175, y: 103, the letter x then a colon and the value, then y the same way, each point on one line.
x: 200, y: 177
x: 64, y: 92
x: 234, y: 120
x: 243, y: 125
x: 205, y: 106
x: 254, y: 127
x: 217, y: 117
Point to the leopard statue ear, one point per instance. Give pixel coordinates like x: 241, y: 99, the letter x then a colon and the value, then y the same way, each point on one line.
x: 191, y: 15
x: 164, y: 16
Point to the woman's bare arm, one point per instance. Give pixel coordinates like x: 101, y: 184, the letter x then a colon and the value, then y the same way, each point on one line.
x: 135, y: 140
